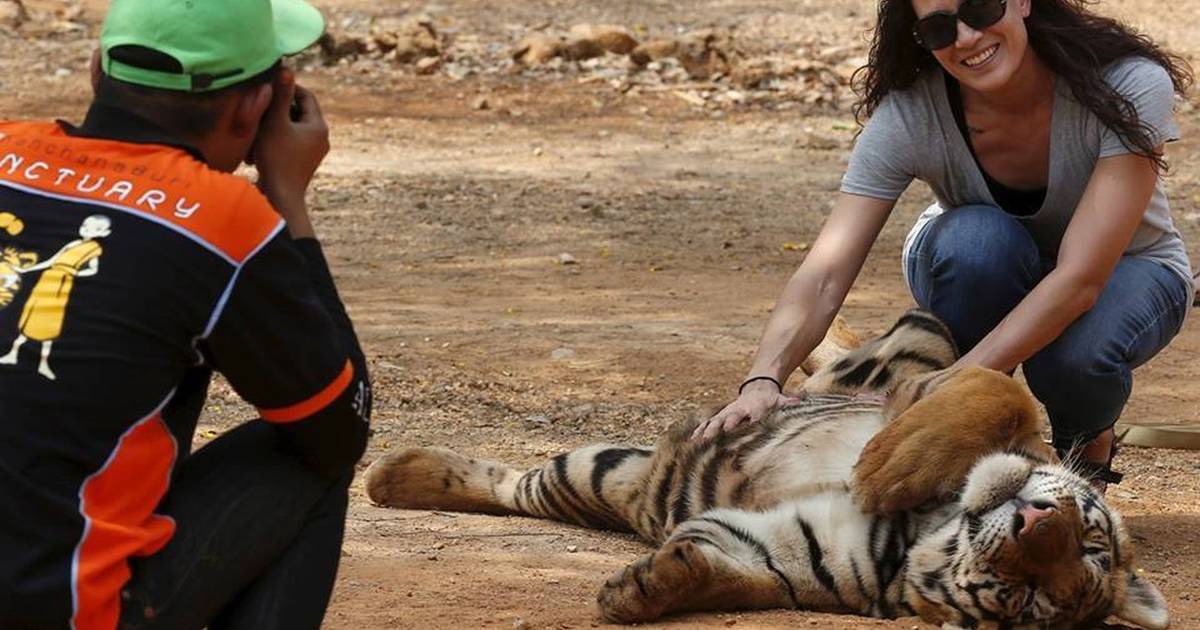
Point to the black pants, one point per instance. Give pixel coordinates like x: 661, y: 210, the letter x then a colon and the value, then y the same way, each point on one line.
x: 257, y: 542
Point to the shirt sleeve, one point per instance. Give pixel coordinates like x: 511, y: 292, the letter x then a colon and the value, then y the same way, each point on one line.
x: 1148, y: 87
x: 285, y: 344
x: 881, y: 163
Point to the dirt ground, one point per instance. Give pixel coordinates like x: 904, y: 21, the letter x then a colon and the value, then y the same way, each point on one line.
x: 445, y: 223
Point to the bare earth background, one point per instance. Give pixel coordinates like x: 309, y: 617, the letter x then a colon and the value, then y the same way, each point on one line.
x: 683, y: 204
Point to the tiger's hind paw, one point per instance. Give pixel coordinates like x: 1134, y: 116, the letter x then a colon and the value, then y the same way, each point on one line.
x: 436, y: 479
x: 656, y: 584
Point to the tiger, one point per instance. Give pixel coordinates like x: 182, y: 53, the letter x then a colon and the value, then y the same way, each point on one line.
x: 896, y: 485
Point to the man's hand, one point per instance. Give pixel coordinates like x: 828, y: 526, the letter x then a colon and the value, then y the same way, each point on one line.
x: 287, y: 152
x: 756, y: 401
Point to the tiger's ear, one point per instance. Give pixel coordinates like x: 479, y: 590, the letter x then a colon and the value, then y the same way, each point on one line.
x: 1143, y: 604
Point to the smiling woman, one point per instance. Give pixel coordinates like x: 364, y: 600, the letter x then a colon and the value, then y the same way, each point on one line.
x: 1040, y: 127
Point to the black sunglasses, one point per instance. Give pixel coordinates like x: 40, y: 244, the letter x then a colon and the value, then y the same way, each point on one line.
x: 939, y: 30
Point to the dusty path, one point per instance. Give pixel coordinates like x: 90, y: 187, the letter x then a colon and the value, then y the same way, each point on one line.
x: 445, y: 223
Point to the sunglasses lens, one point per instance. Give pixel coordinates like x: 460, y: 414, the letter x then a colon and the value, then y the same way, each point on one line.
x: 937, y: 31
x: 980, y: 14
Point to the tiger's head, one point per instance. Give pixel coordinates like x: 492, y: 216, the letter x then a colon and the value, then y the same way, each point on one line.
x: 1034, y: 547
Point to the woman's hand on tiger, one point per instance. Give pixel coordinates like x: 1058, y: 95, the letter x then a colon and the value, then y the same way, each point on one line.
x: 756, y: 401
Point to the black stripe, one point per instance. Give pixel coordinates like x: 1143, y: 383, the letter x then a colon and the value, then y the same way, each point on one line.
x: 923, y: 321
x: 681, y: 509
x: 880, y: 546
x: 527, y: 490
x: 699, y: 539
x: 862, y: 587
x: 800, y: 430
x: 682, y: 557
x: 882, y: 378
x: 749, y: 447
x: 759, y: 548
x: 972, y: 589
x: 974, y: 523
x: 538, y: 501
x: 816, y: 561
x: 858, y: 376
x: 948, y: 599
x: 555, y: 508
x: 587, y: 515
x: 602, y: 464
x: 637, y: 579
x: 909, y: 356
x: 890, y: 558
x: 660, y: 497
x: 708, y: 477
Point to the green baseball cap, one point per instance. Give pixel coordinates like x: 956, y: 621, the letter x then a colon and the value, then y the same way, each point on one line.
x: 202, y: 45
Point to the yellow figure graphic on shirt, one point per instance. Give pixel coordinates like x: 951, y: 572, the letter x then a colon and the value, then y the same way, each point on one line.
x: 42, y: 318
x: 12, y: 260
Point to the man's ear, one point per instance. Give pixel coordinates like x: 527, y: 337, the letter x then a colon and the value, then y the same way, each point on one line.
x: 249, y: 110
x: 1026, y: 7
x: 97, y: 72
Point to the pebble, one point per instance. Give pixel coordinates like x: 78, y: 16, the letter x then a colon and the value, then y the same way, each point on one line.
x: 538, y: 419
x: 563, y: 353
x: 572, y: 548
x: 428, y: 65
x: 567, y: 259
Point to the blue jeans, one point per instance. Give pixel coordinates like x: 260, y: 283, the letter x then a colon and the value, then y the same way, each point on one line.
x: 973, y: 264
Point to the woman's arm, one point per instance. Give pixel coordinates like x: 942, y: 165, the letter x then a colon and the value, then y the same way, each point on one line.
x: 807, y: 305
x: 1103, y: 224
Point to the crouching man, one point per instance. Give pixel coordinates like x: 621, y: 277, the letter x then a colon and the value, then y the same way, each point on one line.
x: 137, y: 265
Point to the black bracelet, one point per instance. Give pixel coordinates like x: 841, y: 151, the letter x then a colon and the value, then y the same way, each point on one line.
x: 759, y: 378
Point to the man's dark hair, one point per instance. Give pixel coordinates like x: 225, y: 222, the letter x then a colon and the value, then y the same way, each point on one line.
x: 187, y: 114
x: 1075, y: 43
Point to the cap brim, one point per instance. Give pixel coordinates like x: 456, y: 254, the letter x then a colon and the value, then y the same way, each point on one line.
x: 298, y: 25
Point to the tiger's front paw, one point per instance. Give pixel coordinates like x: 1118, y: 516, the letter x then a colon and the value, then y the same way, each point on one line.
x: 951, y: 420
x: 899, y: 470
x: 656, y: 584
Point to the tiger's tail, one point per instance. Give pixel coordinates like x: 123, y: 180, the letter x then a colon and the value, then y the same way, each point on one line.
x: 590, y: 486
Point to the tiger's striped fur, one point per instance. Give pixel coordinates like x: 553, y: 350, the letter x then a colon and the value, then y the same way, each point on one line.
x: 772, y: 514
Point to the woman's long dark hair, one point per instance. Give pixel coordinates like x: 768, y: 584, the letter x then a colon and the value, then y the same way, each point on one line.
x: 1075, y: 43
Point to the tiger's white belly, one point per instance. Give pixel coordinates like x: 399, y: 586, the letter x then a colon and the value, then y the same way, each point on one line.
x: 818, y: 461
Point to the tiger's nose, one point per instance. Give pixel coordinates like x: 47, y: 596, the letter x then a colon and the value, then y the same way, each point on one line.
x: 1029, y: 515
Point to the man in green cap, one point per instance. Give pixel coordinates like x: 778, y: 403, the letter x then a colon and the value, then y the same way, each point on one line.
x: 134, y: 266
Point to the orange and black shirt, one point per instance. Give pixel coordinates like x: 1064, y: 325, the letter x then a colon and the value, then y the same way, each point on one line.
x: 129, y: 271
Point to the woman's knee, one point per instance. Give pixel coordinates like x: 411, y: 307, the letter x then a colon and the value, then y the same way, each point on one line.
x: 981, y: 241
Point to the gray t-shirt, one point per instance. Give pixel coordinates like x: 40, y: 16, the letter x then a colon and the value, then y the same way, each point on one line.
x: 912, y: 134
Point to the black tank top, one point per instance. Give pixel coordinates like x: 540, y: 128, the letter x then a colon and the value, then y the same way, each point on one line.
x: 1021, y: 203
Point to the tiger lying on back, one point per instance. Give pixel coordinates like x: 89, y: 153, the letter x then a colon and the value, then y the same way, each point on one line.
x: 939, y: 500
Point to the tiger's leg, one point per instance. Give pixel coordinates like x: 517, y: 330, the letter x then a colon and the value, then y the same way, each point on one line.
x: 946, y: 421
x: 729, y: 560
x: 590, y: 486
